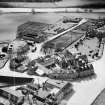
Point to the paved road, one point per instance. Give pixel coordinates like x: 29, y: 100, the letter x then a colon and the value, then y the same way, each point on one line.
x: 66, y: 31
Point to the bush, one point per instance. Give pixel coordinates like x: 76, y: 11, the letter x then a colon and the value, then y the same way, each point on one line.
x: 4, y: 49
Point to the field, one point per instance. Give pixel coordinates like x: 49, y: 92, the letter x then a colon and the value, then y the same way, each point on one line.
x: 67, y: 39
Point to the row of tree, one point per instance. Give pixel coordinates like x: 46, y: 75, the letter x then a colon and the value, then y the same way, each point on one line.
x: 95, y: 33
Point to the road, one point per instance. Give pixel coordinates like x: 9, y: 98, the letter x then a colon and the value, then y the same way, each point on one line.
x: 49, y: 9
x: 66, y: 31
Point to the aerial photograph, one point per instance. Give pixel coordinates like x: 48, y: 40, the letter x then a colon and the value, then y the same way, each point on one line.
x: 52, y: 52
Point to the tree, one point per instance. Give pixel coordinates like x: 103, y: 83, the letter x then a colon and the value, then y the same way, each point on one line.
x: 64, y: 64
x: 47, y: 47
x: 4, y: 49
x: 68, y: 54
x: 1, y: 103
x: 32, y: 63
x: 58, y: 50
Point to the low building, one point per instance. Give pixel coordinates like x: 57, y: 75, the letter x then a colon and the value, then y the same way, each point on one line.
x: 18, y: 47
x: 18, y: 50
x: 51, y: 92
x: 70, y: 69
x: 10, y: 94
x: 33, y: 31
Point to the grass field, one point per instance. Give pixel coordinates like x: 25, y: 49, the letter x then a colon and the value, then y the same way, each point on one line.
x: 67, y: 39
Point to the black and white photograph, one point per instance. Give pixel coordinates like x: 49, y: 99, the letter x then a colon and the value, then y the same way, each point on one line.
x: 52, y: 52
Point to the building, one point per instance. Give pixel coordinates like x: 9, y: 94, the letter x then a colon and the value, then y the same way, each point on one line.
x: 18, y: 47
x: 69, y: 67
x: 51, y: 92
x: 18, y: 50
x: 11, y: 95
x: 33, y: 31
x: 42, y: 93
